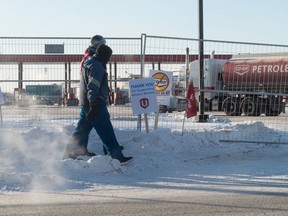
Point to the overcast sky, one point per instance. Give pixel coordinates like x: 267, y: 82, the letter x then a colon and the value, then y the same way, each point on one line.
x: 233, y: 20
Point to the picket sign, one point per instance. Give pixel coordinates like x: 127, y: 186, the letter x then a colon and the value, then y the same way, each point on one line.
x: 143, y: 97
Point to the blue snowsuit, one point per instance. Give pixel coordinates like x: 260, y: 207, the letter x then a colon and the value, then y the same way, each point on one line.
x: 94, y: 90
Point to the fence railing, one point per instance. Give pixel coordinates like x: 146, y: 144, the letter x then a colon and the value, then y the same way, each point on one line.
x: 39, y: 77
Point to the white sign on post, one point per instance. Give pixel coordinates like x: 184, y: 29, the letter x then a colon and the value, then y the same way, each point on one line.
x: 163, y: 85
x: 143, y: 96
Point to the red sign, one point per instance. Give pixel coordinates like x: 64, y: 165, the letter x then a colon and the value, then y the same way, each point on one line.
x: 191, y: 109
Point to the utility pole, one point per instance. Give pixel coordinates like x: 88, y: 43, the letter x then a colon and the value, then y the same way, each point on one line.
x: 202, y: 116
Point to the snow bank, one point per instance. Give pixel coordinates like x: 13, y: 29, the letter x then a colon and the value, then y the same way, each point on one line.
x: 31, y: 158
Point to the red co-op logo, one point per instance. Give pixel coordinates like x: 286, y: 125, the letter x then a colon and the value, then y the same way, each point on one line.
x: 241, y: 69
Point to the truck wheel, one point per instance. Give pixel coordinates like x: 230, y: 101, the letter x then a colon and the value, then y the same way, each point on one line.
x: 249, y: 107
x: 272, y: 112
x: 231, y: 107
x: 274, y: 106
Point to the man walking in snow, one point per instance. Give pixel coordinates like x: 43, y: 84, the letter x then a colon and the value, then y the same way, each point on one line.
x: 94, y: 93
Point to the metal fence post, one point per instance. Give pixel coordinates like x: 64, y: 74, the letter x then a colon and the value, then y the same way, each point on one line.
x: 143, y: 45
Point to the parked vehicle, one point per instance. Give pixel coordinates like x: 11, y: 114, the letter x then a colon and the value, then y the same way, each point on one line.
x: 121, y: 97
x: 177, y: 98
x: 250, y: 85
x: 177, y: 103
x: 43, y: 101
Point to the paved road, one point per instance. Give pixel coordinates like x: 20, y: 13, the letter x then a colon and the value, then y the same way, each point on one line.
x: 239, y: 200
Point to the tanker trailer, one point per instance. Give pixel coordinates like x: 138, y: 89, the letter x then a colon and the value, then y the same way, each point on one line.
x: 255, y: 86
x: 212, y: 82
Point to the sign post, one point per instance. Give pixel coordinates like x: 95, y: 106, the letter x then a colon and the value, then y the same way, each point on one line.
x: 1, y: 103
x: 163, y: 87
x: 143, y: 97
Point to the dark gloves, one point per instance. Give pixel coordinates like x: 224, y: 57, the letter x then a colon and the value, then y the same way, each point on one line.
x: 92, y: 113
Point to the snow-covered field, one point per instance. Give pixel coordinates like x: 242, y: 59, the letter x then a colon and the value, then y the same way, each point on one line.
x: 31, y: 158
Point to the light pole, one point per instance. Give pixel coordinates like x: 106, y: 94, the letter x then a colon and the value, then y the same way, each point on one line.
x: 202, y: 116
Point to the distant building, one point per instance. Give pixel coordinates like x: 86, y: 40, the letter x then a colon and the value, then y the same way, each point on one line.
x: 44, y: 90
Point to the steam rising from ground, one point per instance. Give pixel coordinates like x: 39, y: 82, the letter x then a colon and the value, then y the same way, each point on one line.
x: 27, y: 157
x: 32, y: 160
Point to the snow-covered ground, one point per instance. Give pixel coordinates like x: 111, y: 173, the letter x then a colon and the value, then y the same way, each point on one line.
x: 31, y: 158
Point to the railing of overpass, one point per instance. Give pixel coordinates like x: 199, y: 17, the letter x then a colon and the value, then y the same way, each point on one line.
x: 26, y: 62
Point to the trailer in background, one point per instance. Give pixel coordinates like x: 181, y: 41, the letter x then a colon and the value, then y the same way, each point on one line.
x: 247, y: 85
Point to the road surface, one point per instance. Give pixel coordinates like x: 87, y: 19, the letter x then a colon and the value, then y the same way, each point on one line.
x: 202, y: 199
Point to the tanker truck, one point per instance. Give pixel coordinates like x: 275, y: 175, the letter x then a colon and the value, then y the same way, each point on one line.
x: 250, y: 86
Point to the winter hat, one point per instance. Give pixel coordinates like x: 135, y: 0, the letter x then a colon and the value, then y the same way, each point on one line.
x: 104, y: 53
x: 96, y: 40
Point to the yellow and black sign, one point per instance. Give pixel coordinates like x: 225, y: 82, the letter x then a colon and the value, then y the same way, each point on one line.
x: 161, y: 81
x: 163, y: 85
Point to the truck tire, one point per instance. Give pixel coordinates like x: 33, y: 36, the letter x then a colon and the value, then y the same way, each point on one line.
x: 274, y: 106
x: 249, y: 106
x: 231, y: 106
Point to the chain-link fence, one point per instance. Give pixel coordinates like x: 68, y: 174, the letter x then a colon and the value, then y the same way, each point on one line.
x: 254, y: 95
x: 39, y: 78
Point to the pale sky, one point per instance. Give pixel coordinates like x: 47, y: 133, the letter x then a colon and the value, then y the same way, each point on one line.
x: 261, y: 21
